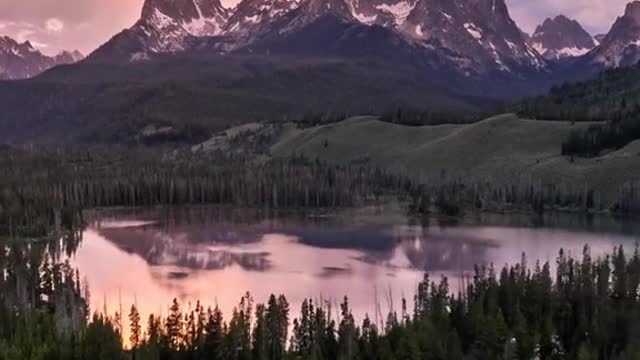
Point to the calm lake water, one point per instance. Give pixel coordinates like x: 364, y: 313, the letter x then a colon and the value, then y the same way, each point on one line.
x: 373, y: 255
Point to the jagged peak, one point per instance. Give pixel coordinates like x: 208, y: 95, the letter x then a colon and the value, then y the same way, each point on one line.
x: 480, y: 32
x: 27, y: 44
x: 9, y: 44
x: 632, y: 11
x: 198, y: 17
x: 7, y: 41
x: 469, y: 31
x: 560, y: 37
x: 249, y: 13
x: 492, y: 7
x: 387, y: 13
x: 69, y: 56
x: 177, y: 9
x: 557, y: 19
x: 25, y: 61
x: 621, y: 45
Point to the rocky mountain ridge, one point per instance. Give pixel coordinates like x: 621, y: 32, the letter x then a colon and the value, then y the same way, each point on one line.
x: 22, y: 60
x: 474, y: 36
x: 561, y: 38
x: 621, y: 45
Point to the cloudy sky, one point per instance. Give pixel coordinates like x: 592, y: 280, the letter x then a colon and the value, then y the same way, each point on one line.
x: 53, y: 25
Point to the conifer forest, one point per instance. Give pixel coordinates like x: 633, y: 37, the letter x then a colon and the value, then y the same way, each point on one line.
x: 581, y: 307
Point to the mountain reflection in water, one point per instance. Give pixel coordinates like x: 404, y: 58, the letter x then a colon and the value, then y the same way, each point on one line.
x: 216, y: 246
x: 217, y: 255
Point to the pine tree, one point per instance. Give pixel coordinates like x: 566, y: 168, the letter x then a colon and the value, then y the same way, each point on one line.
x: 347, y: 333
x: 174, y: 326
x: 215, y: 335
x: 135, y: 337
x: 277, y: 321
x: 261, y: 335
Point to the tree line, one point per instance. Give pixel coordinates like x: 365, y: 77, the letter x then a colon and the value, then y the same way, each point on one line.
x: 46, y: 189
x: 590, y: 309
x: 410, y: 117
x: 612, y: 99
x: 40, y: 182
x: 454, y: 196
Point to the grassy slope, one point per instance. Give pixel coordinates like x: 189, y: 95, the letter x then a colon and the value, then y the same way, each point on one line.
x: 503, y: 146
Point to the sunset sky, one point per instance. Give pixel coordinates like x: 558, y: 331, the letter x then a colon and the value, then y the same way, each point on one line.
x: 53, y: 25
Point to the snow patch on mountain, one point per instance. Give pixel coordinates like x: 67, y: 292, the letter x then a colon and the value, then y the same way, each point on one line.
x: 560, y: 38
x: 160, y: 20
x: 539, y: 47
x: 621, y: 46
x: 572, y: 51
x: 361, y: 17
x: 400, y: 11
x: 473, y: 30
x: 22, y: 60
x: 476, y: 36
x: 481, y: 32
x: 419, y: 31
x: 251, y: 15
x: 166, y: 35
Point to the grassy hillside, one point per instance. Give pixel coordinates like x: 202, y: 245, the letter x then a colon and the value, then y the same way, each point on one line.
x: 502, y: 147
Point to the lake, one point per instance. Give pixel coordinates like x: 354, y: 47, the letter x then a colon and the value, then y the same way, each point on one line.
x: 375, y: 256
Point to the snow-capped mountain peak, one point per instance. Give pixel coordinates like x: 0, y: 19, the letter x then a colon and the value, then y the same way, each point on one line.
x: 479, y: 34
x: 388, y: 13
x: 304, y: 13
x: 165, y: 26
x: 9, y: 45
x: 251, y: 13
x: 621, y: 46
x: 22, y: 60
x: 560, y: 38
x: 68, y: 57
x: 197, y: 17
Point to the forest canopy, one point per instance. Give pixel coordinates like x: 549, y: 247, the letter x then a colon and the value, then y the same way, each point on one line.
x: 612, y: 99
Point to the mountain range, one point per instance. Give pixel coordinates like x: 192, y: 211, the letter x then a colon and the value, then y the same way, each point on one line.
x: 194, y: 66
x: 476, y: 39
x: 22, y: 60
x: 472, y: 37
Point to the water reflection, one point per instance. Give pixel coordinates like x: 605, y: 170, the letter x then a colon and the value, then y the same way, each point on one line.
x: 219, y: 245
x: 189, y: 249
x: 216, y: 255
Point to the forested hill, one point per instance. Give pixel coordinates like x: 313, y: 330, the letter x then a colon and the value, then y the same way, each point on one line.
x: 181, y: 98
x: 612, y: 98
x: 612, y: 95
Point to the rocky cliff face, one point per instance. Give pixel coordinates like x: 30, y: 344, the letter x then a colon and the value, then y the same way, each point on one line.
x: 621, y: 46
x: 198, y: 17
x: 560, y: 38
x: 480, y: 34
x: 474, y: 36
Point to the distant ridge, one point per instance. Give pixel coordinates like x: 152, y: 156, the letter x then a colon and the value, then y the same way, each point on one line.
x: 23, y: 61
